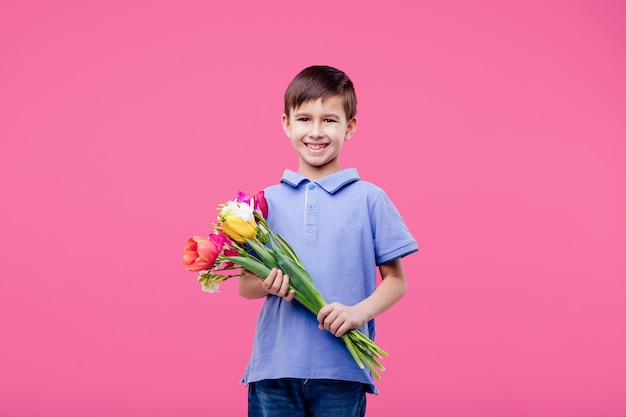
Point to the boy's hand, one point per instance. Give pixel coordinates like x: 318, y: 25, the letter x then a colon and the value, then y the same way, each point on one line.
x: 338, y: 318
x: 278, y: 284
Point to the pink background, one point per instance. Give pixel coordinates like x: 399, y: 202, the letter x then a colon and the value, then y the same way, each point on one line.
x: 497, y: 128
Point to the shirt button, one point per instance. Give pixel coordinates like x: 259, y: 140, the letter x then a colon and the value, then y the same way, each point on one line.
x: 310, y: 207
x: 312, y: 187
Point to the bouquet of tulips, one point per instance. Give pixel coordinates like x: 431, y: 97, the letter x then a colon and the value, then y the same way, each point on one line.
x: 242, y: 239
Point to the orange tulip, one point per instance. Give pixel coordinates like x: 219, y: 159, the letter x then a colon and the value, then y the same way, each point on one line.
x: 199, y: 254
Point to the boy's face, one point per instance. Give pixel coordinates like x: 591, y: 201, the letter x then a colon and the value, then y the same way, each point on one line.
x: 317, y: 130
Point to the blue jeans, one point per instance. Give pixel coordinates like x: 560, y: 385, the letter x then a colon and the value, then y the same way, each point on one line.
x: 306, y: 398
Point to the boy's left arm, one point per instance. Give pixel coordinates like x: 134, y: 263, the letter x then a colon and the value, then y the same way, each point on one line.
x: 338, y: 318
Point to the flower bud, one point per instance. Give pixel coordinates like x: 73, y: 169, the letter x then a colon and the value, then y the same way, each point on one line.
x: 238, y: 229
x: 199, y: 254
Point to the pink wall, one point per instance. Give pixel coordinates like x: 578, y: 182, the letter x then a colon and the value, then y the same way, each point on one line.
x: 498, y: 129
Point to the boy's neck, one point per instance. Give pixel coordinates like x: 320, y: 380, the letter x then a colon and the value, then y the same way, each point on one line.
x: 316, y: 174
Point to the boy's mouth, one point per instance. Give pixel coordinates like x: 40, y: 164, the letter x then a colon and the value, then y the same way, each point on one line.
x: 316, y: 146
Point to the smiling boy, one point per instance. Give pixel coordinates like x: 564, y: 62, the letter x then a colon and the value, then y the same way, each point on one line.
x: 343, y: 229
x: 317, y: 130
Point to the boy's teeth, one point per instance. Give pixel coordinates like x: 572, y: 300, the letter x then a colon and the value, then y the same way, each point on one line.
x: 315, y: 147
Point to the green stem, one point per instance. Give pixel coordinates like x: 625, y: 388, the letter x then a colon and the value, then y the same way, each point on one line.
x: 250, y: 264
x: 352, y: 350
x: 281, y: 255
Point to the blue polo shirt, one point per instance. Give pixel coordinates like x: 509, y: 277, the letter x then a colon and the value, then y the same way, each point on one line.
x: 342, y: 228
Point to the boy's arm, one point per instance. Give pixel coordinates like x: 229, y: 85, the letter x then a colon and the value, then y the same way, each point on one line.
x: 338, y: 318
x: 251, y: 286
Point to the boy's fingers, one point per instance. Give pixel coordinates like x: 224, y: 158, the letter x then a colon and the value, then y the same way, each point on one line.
x: 284, y: 287
x: 321, y: 315
x: 269, y: 280
x: 278, y: 284
x: 273, y: 281
x: 342, y: 330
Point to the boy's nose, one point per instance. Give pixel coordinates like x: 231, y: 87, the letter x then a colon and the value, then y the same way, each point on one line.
x: 316, y: 130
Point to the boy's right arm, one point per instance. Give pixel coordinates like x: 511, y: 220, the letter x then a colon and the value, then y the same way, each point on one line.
x: 252, y: 286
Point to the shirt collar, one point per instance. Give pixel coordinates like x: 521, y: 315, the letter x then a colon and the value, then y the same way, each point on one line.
x: 331, y: 183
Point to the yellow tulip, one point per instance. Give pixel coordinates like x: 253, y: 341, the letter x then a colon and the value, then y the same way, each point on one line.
x: 237, y: 229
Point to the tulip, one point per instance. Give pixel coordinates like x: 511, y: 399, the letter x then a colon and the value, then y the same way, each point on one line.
x: 237, y: 228
x: 199, y: 254
x: 260, y: 204
x: 219, y: 239
x: 227, y: 253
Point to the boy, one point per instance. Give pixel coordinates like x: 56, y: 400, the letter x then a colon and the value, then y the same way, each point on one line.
x: 342, y: 228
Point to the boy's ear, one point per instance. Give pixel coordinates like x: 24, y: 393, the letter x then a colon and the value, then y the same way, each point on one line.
x: 285, y: 122
x: 351, y: 128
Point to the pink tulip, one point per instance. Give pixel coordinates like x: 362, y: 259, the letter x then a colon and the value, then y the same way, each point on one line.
x: 260, y: 204
x: 229, y: 252
x: 199, y: 254
x: 220, y: 239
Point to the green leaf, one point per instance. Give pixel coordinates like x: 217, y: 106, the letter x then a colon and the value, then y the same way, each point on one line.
x: 288, y: 250
x: 252, y: 265
x: 301, y: 280
x: 264, y: 253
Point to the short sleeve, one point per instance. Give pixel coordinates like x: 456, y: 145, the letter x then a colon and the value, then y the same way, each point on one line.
x: 392, y: 238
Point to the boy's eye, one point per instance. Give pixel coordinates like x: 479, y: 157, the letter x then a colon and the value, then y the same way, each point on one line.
x: 329, y: 120
x: 303, y: 119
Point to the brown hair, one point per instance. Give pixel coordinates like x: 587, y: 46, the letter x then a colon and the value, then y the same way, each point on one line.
x: 320, y: 81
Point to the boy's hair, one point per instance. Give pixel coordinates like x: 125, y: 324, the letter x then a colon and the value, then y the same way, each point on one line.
x: 320, y: 81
